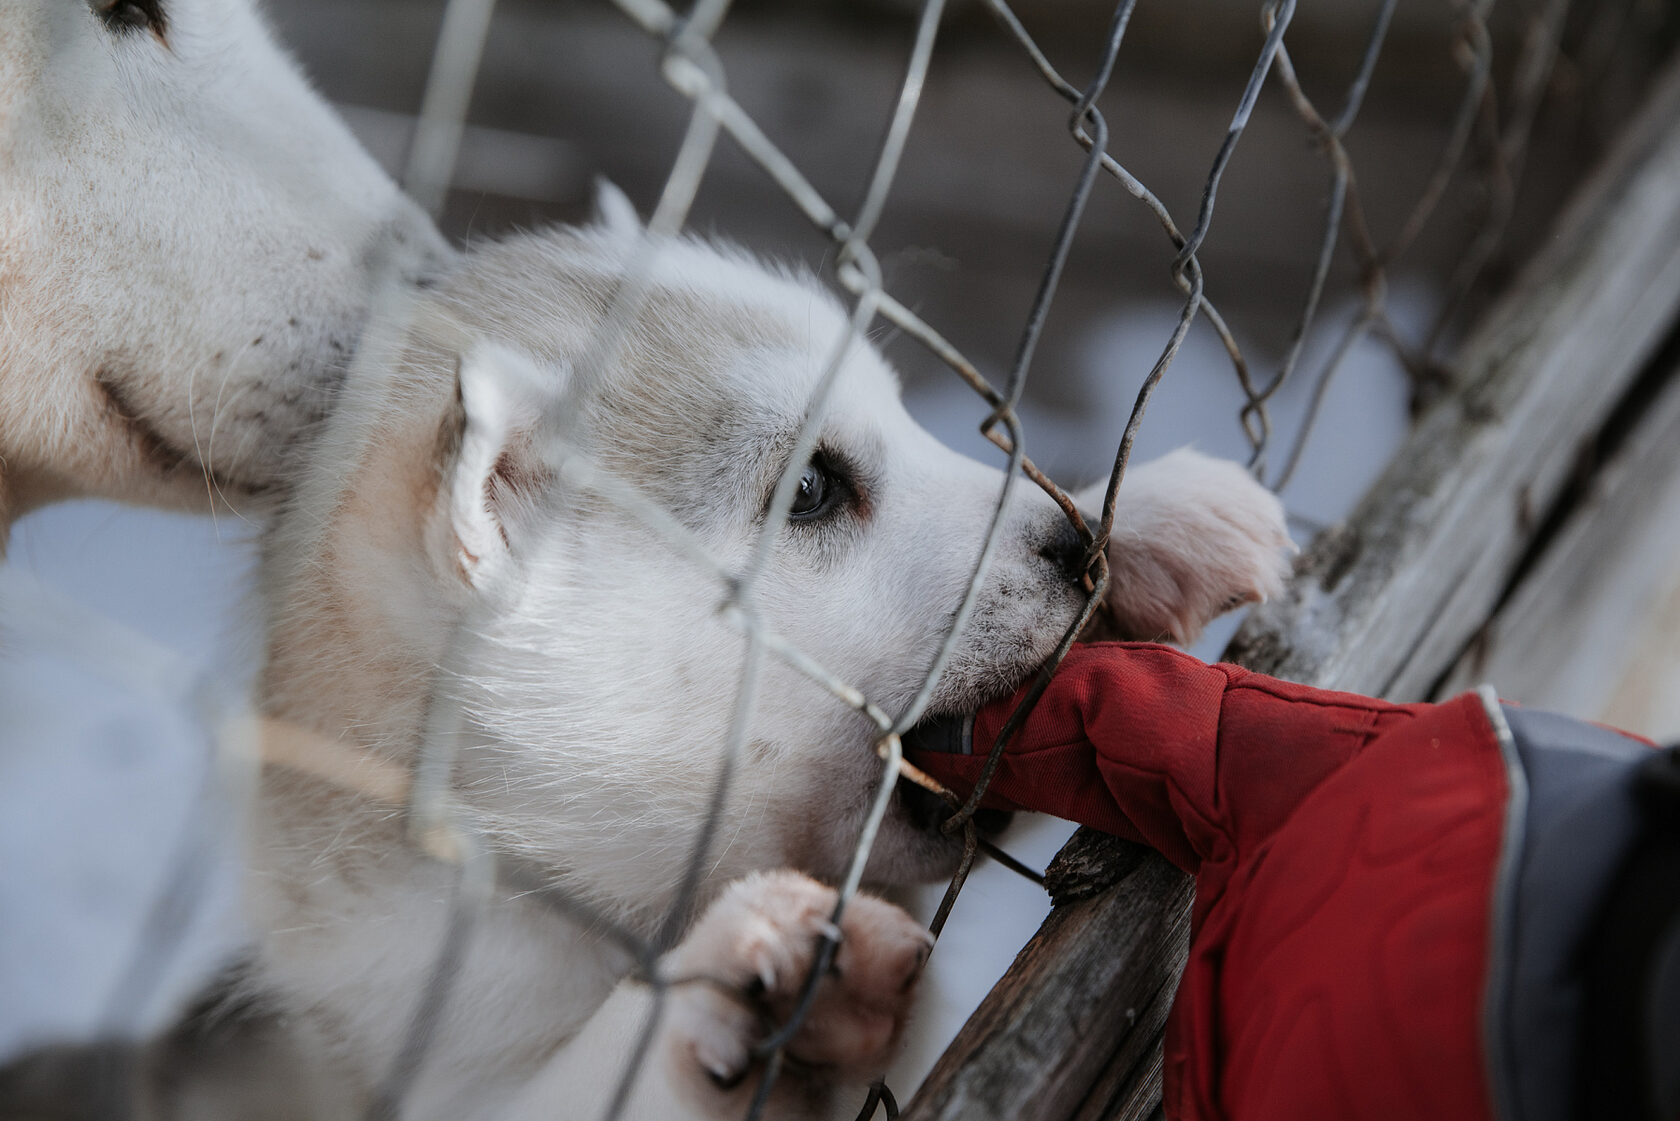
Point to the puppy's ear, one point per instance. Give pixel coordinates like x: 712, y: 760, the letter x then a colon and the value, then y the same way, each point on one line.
x: 614, y: 211
x: 499, y: 469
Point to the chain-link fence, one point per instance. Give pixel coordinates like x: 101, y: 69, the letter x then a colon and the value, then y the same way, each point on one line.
x: 1506, y: 72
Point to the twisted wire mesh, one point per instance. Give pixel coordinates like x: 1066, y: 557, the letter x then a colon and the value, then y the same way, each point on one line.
x: 691, y: 66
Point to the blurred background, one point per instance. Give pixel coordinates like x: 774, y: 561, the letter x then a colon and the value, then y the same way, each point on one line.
x: 570, y: 91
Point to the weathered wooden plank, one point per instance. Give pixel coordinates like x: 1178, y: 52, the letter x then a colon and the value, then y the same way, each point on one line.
x: 1385, y: 603
x: 1573, y: 632
x: 1087, y: 994
x: 1645, y: 698
x: 1129, y: 1088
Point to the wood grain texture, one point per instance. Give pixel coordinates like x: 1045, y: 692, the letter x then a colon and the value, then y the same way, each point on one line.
x: 1087, y: 996
x: 1383, y: 604
x: 1580, y: 631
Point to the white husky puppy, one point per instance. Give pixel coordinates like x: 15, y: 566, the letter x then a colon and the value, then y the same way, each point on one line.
x: 597, y: 674
x: 187, y: 239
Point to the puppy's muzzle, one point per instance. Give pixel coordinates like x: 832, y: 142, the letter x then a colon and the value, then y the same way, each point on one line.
x: 1062, y: 546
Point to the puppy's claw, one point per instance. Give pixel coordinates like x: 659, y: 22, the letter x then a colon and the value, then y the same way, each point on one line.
x: 764, y: 931
x: 724, y: 1078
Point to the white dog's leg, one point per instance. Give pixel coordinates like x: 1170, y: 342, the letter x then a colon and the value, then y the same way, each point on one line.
x: 739, y: 972
x: 1193, y: 537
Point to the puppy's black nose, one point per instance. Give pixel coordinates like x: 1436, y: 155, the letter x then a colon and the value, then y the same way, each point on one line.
x: 1062, y: 547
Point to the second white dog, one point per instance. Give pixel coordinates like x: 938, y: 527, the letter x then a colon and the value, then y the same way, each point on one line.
x: 188, y: 241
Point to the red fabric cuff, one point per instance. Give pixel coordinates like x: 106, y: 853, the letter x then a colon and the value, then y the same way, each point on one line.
x: 1148, y: 743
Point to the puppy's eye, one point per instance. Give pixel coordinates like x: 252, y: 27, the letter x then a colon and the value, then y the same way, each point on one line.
x: 812, y: 498
x: 123, y: 16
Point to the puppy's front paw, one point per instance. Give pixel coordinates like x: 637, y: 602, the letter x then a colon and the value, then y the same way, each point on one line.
x: 754, y: 947
x: 1193, y: 537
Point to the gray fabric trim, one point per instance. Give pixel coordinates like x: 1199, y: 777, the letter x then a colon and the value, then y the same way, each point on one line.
x: 1582, y: 819
x: 1496, y: 1000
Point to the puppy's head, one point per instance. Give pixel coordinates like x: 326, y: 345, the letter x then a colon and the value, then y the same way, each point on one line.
x: 190, y: 239
x: 586, y: 506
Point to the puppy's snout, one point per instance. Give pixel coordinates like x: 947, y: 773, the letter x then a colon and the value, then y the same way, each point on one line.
x: 1061, y: 546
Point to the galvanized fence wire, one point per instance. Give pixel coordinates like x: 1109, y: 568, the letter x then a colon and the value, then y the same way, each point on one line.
x: 441, y: 826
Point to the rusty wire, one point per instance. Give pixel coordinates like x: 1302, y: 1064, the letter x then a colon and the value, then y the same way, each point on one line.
x: 690, y: 65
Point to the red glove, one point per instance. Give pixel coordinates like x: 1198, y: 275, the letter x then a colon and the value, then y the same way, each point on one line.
x: 1344, y: 848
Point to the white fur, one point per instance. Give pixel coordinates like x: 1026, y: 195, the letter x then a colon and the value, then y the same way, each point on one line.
x: 187, y: 239
x: 1193, y: 537
x: 597, y: 673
